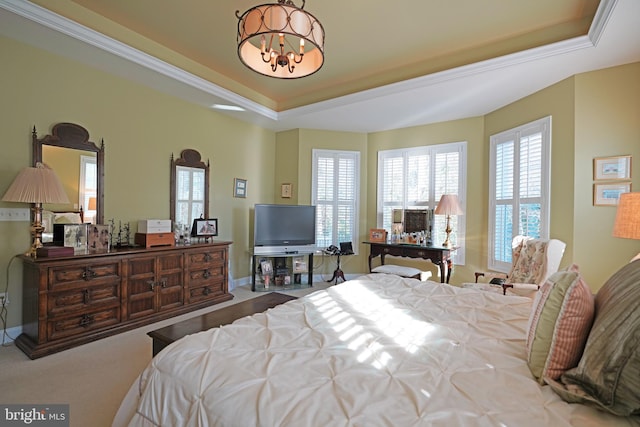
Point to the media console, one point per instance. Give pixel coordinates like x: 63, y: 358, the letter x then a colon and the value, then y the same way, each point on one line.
x: 278, y: 271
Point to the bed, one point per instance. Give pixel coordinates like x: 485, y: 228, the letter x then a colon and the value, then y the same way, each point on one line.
x: 379, y: 350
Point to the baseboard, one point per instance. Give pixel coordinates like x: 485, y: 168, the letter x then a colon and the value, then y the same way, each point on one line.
x: 10, y: 335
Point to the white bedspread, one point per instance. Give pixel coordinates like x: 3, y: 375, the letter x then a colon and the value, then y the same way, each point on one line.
x: 376, y: 351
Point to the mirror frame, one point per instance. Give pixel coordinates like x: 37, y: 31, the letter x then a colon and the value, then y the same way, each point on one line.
x: 70, y: 135
x: 192, y: 159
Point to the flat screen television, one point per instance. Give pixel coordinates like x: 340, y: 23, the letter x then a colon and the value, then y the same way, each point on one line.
x: 284, y: 228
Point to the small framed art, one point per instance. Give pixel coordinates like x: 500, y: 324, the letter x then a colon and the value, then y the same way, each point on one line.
x: 239, y: 187
x: 612, y: 168
x: 75, y: 236
x: 204, y: 227
x: 609, y: 194
x: 285, y: 191
x: 378, y: 235
x: 98, y: 237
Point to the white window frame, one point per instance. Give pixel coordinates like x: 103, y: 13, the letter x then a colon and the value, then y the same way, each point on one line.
x: 433, y: 193
x: 84, y: 192
x: 542, y: 126
x: 355, y: 203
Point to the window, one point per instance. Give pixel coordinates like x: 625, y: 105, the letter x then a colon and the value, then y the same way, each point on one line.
x: 88, y: 187
x: 416, y: 178
x: 335, y: 192
x: 190, y: 194
x: 518, y: 188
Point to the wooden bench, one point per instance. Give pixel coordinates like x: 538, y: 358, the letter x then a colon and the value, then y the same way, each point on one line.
x: 164, y: 336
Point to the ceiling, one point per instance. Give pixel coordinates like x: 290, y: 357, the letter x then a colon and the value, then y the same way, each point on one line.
x: 387, y: 64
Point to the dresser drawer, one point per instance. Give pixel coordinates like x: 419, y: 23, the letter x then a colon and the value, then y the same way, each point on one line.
x: 197, y: 277
x: 206, y: 258
x: 80, y: 275
x: 84, y: 298
x: 80, y: 323
x: 210, y: 290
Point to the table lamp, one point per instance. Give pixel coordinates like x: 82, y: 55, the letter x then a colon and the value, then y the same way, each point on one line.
x: 627, y: 224
x: 448, y: 206
x: 36, y: 185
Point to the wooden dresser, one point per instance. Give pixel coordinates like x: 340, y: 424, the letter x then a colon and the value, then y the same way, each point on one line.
x: 70, y: 301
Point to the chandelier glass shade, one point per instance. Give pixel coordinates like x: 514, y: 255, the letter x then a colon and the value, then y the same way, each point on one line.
x: 280, y: 40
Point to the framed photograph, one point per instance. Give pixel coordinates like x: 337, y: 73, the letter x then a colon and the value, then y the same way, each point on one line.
x: 285, y: 191
x: 609, y: 194
x: 378, y: 235
x: 611, y: 168
x: 266, y: 267
x: 98, y: 237
x: 75, y: 236
x: 239, y: 187
x: 204, y: 227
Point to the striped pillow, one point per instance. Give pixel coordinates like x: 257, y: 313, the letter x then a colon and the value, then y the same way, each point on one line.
x: 608, y: 375
x: 559, y: 324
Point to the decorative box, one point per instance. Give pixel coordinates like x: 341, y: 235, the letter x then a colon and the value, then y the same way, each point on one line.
x: 155, y: 239
x: 54, y: 251
x: 154, y: 226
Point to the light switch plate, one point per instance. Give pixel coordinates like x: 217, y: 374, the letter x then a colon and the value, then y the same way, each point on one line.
x: 15, y: 214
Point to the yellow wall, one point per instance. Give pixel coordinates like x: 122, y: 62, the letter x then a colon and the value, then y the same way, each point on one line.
x: 607, y: 123
x: 141, y: 128
x: 594, y: 114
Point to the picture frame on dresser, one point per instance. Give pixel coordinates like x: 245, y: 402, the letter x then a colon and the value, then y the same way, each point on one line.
x: 204, y: 227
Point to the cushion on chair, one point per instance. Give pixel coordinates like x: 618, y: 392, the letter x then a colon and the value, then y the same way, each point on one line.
x: 608, y: 375
x: 529, y: 259
x: 559, y: 324
x: 398, y: 270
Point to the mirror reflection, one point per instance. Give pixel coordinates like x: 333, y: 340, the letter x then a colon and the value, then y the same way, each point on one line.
x: 77, y: 171
x: 189, y: 189
x: 79, y: 163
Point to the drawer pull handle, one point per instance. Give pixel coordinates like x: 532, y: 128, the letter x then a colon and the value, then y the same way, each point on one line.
x: 163, y: 282
x: 86, y: 320
x: 207, y: 257
x: 151, y: 284
x: 88, y: 274
x: 206, y: 274
x: 85, y: 296
x: 206, y: 291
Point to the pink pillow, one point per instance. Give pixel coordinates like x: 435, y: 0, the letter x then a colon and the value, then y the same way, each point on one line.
x: 559, y: 324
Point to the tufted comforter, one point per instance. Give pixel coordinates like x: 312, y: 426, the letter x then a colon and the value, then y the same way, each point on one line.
x: 376, y: 351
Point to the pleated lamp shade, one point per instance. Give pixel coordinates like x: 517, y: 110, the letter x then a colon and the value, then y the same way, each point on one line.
x: 37, y: 184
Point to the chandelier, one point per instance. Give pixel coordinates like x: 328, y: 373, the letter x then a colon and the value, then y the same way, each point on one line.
x: 274, y: 39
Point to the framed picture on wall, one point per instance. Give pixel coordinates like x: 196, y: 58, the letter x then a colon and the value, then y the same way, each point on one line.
x: 239, y: 187
x: 612, y: 168
x: 609, y: 194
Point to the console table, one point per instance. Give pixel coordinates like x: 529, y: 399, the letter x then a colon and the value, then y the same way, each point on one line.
x: 438, y: 255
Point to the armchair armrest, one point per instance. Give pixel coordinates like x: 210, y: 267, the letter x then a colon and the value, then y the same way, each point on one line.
x: 489, y: 276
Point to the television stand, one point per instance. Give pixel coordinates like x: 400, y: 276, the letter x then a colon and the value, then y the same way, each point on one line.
x: 281, y: 271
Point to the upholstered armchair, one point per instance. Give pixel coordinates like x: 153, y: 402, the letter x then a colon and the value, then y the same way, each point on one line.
x: 533, y: 261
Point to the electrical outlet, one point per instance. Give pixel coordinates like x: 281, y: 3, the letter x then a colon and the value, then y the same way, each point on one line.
x: 4, y: 298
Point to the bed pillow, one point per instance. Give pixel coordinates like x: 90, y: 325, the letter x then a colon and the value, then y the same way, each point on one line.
x: 608, y: 375
x: 559, y: 324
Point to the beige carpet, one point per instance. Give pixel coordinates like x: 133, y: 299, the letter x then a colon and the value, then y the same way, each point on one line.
x: 92, y: 378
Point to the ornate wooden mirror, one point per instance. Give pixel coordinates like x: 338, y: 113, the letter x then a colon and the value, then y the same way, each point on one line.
x: 62, y: 144
x: 189, y: 188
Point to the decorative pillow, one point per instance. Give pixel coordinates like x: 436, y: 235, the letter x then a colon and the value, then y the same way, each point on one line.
x: 608, y: 375
x: 67, y: 218
x: 559, y: 324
